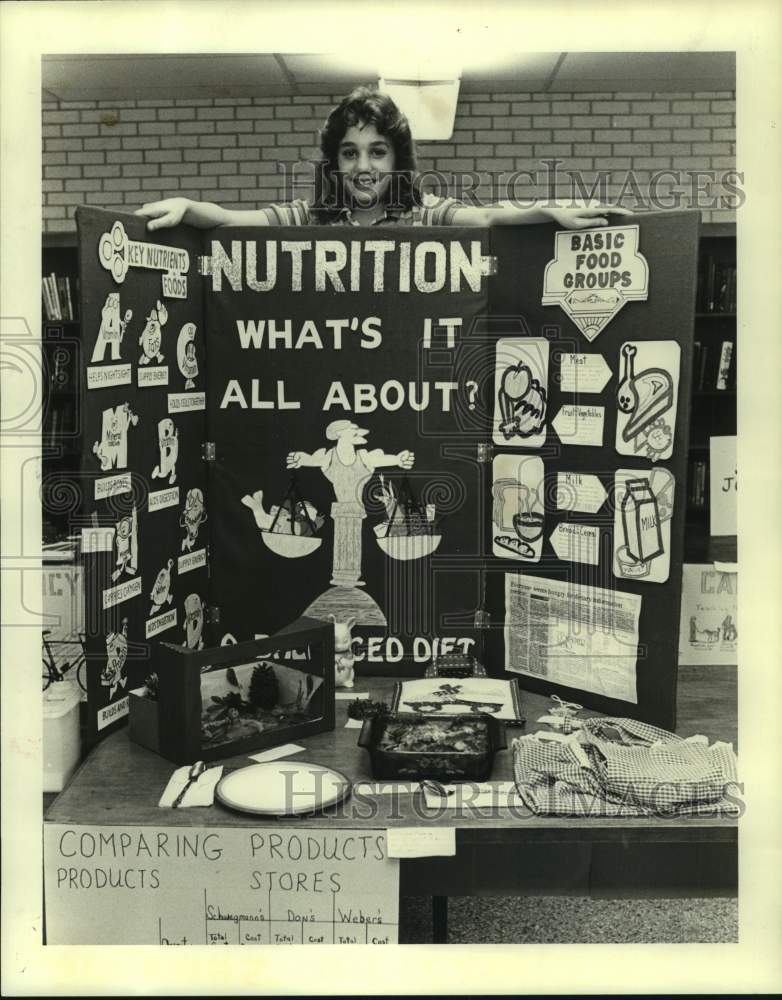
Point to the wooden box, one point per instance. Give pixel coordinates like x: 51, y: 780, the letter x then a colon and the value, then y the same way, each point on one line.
x: 228, y: 700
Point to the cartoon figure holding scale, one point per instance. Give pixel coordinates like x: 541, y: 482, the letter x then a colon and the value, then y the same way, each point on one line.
x: 348, y: 467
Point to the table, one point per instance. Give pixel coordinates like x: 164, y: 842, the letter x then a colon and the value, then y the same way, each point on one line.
x: 120, y: 782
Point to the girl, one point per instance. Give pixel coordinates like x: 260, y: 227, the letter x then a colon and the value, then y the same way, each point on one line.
x: 367, y: 176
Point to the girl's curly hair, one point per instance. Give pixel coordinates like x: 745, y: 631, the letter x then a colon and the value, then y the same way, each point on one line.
x: 369, y: 107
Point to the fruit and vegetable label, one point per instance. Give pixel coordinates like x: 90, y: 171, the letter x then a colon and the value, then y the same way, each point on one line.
x: 194, y: 885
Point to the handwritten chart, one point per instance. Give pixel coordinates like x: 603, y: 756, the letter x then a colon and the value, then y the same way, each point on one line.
x: 190, y: 885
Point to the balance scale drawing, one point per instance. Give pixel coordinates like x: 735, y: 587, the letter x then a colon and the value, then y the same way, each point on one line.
x: 348, y: 465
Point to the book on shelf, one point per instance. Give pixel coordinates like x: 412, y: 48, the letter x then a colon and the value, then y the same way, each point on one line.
x: 724, y: 370
x: 698, y: 472
x: 716, y: 286
x: 57, y: 298
x: 703, y: 355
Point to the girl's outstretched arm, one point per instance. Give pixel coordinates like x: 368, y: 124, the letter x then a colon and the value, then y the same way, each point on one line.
x: 505, y: 213
x: 201, y: 214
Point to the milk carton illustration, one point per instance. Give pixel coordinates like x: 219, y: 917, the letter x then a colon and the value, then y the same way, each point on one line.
x: 641, y: 521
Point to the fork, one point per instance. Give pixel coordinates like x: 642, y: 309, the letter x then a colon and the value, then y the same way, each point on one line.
x: 193, y: 775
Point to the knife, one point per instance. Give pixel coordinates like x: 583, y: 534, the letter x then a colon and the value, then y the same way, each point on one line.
x: 193, y: 775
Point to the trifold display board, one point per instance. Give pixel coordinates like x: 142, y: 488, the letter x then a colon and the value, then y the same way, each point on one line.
x: 421, y: 430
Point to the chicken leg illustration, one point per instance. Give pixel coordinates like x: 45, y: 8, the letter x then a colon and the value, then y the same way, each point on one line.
x: 627, y: 393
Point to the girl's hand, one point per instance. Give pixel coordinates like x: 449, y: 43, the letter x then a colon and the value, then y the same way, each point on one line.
x: 164, y: 214
x: 583, y: 216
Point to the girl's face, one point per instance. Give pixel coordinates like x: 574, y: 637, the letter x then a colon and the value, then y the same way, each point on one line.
x: 365, y: 160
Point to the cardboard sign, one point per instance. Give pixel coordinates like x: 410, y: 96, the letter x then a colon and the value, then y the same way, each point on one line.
x: 574, y: 542
x: 205, y: 885
x: 580, y: 425
x: 708, y: 632
x: 594, y: 273
x: 579, y: 492
x: 723, y: 486
x: 583, y: 373
x: 117, y: 253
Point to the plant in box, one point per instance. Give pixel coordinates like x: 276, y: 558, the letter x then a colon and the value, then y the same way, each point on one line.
x: 228, y: 700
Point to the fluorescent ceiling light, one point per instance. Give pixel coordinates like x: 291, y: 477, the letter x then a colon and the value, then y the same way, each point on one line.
x: 430, y: 106
x: 420, y: 66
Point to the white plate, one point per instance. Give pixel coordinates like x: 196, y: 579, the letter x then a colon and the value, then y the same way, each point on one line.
x: 282, y: 788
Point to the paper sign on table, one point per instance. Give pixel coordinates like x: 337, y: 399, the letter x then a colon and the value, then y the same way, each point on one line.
x: 354, y: 724
x: 583, y: 372
x: 386, y: 787
x: 708, y: 632
x: 421, y: 842
x: 472, y: 795
x: 579, y: 492
x: 349, y: 695
x: 216, y: 885
x: 287, y: 750
x: 577, y: 542
x: 723, y: 486
x: 520, y: 391
x: 517, y: 507
x: 580, y: 425
x: 646, y: 398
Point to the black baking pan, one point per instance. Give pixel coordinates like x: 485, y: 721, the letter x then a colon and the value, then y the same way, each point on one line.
x: 443, y: 748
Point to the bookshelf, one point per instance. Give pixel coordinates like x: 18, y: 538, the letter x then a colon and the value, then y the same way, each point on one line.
x: 60, y: 355
x: 713, y: 411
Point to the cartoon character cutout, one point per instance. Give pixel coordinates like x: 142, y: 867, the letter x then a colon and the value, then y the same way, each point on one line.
x: 126, y: 540
x: 168, y: 442
x: 112, y: 449
x: 194, y: 622
x: 113, y: 674
x: 192, y: 517
x: 186, y: 354
x: 161, y: 589
x: 152, y: 335
x: 112, y: 329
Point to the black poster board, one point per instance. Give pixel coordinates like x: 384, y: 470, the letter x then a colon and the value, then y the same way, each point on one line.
x: 289, y: 373
x: 364, y: 322
x: 143, y: 431
x: 668, y: 242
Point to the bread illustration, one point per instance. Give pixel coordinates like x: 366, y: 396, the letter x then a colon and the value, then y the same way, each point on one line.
x: 516, y: 545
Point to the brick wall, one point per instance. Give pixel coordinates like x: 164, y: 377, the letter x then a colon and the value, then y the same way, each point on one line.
x: 234, y: 150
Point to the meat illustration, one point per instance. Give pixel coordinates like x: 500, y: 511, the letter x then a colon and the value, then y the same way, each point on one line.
x: 644, y: 397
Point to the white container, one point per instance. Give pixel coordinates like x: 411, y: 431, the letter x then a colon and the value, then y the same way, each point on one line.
x: 61, y: 745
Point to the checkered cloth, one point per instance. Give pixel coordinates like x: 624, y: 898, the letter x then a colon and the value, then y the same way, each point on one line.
x: 621, y: 767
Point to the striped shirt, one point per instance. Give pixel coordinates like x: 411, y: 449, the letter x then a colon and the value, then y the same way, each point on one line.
x: 433, y: 212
